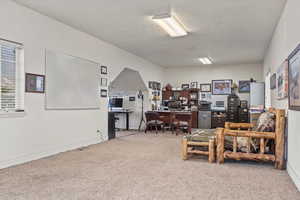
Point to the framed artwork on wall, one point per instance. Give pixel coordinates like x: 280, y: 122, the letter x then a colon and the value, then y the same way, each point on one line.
x: 132, y: 98
x: 103, y: 93
x: 155, y: 85
x: 282, y: 80
x: 150, y: 84
x: 104, y: 82
x: 205, y: 87
x: 221, y: 87
x: 244, y: 86
x: 34, y: 83
x: 294, y: 79
x: 103, y: 70
x: 194, y: 84
x: 185, y: 86
x: 273, y: 82
x: 158, y: 85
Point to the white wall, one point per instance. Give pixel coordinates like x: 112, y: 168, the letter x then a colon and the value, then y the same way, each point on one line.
x: 41, y: 133
x: 286, y: 37
x: 205, y: 74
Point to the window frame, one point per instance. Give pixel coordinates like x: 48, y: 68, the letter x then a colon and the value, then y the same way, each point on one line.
x: 18, y: 110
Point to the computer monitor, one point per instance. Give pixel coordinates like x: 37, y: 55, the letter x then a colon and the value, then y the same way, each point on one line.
x: 116, y: 102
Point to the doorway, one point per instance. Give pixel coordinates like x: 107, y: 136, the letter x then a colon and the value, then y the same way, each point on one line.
x: 126, y: 102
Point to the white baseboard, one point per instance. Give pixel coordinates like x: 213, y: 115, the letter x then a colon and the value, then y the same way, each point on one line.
x: 293, y: 174
x: 48, y: 152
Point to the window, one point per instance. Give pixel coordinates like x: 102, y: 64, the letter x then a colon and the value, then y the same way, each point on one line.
x: 11, y: 77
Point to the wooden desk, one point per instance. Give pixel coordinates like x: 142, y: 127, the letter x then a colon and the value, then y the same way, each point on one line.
x: 165, y: 115
x: 168, y: 117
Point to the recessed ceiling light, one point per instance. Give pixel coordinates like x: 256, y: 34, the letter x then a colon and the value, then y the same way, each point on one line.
x: 170, y: 24
x: 205, y: 60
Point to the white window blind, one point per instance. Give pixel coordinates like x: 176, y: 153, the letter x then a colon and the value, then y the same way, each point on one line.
x: 11, y: 76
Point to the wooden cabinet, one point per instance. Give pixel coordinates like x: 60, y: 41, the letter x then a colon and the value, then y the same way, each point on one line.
x: 194, y: 119
x: 218, y: 119
x: 166, y: 94
x: 233, y: 102
x: 243, y: 115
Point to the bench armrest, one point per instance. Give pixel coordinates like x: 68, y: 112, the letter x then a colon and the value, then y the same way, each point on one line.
x: 252, y: 134
x: 230, y: 125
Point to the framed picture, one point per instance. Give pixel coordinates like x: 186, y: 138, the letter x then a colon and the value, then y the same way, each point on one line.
x: 150, y: 84
x: 185, y: 86
x: 103, y: 93
x: 221, y: 87
x: 273, y: 82
x: 244, y: 86
x: 132, y: 98
x: 103, y: 82
x: 282, y: 80
x: 205, y: 87
x: 35, y: 83
x: 103, y: 70
x: 205, y: 96
x: 194, y: 84
x: 158, y: 86
x: 294, y: 79
x: 155, y: 85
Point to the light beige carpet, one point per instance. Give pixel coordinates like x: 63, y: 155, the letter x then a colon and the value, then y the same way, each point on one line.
x: 142, y: 167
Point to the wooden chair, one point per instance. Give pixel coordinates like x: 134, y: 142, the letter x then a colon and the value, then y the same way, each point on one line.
x: 234, y: 130
x: 153, y: 120
x: 167, y: 118
x: 183, y: 120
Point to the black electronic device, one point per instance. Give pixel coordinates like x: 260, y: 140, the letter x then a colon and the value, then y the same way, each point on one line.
x: 204, y: 105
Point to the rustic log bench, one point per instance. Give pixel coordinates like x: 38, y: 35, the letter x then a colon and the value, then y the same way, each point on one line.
x: 235, y: 130
x: 202, y: 143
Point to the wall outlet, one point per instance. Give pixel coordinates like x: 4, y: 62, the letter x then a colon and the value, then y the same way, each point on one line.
x: 100, y: 134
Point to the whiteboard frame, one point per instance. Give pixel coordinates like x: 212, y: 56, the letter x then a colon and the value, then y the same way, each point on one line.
x: 45, y: 63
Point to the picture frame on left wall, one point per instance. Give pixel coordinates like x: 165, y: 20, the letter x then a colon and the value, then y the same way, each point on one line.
x: 34, y: 83
x: 294, y: 79
x: 103, y: 69
x: 273, y: 81
x: 282, y: 80
x: 103, y: 82
x: 103, y: 93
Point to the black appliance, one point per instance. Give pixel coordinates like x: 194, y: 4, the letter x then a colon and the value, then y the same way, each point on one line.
x: 204, y: 105
x: 233, y: 103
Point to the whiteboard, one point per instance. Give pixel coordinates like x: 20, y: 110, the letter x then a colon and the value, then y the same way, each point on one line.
x: 257, y: 94
x: 71, y: 82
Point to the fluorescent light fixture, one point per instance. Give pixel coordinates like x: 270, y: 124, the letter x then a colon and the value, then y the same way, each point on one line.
x: 205, y: 61
x: 170, y: 24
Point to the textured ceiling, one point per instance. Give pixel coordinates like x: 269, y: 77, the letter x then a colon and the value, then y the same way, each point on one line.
x: 229, y: 31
